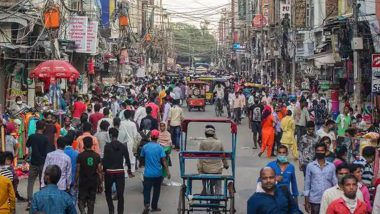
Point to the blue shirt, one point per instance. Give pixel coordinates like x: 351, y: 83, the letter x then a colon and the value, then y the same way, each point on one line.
x: 73, y: 154
x: 288, y: 176
x: 153, y: 152
x: 318, y: 179
x: 280, y: 203
x: 52, y: 200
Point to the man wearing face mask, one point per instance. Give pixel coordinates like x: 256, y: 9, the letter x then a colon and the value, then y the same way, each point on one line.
x: 18, y: 105
x: 285, y: 171
x: 320, y: 176
x: 336, y: 191
x: 349, y: 202
x: 271, y: 199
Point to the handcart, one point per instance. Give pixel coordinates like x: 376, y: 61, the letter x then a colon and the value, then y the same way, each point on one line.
x: 223, y: 202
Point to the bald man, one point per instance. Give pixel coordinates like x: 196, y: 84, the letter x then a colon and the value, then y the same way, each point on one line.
x: 271, y: 199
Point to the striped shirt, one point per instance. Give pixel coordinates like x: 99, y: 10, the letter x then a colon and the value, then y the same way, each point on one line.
x: 367, y: 171
x: 6, y: 172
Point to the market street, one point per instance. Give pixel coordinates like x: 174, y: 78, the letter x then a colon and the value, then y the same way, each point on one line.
x: 248, y: 166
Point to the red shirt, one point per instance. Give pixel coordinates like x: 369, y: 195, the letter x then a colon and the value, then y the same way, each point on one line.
x: 94, y: 119
x: 79, y: 108
x: 155, y: 109
x: 339, y: 207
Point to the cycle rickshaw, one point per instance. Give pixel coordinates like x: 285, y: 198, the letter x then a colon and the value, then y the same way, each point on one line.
x: 211, y: 203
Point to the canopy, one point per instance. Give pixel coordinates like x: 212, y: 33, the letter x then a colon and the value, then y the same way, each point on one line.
x: 55, y: 69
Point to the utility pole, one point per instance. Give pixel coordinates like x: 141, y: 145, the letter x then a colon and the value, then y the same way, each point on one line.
x: 357, y: 71
x: 294, y: 43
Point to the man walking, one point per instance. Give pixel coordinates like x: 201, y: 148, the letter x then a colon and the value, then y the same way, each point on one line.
x: 271, y: 199
x: 89, y: 172
x: 59, y: 158
x: 320, y: 175
x: 306, y: 146
x: 87, y: 133
x: 39, y: 145
x: 114, y: 154
x: 155, y: 159
x: 174, y: 120
x: 50, y: 199
x: 255, y: 117
x: 349, y: 202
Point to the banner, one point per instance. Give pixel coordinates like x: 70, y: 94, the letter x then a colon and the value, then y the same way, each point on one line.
x: 300, y: 15
x: 108, y: 8
x: 77, y: 32
x: 285, y: 8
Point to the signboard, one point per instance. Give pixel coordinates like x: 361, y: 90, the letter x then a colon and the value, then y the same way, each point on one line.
x: 77, y: 32
x: 92, y: 37
x: 259, y: 21
x: 285, y: 8
x: 375, y: 73
x: 300, y: 15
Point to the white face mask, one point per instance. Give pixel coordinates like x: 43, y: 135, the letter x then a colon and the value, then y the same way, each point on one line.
x: 19, y: 102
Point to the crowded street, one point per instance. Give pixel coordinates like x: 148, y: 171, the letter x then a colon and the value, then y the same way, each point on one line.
x: 190, y: 106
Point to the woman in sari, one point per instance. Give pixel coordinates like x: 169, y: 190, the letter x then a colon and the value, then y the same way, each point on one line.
x: 267, y: 131
x: 288, y: 127
x: 165, y: 140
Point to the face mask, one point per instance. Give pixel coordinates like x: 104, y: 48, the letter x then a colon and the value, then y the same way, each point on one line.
x: 282, y: 158
x: 19, y: 102
x: 320, y: 156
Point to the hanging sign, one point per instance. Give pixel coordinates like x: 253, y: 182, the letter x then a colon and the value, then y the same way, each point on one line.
x: 285, y: 8
x: 92, y: 37
x: 77, y: 32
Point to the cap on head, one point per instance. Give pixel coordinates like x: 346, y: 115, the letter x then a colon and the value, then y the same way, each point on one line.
x: 210, y: 130
x: 154, y: 134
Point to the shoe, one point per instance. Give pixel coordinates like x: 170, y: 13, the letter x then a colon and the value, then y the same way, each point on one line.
x: 260, y: 154
x: 28, y: 207
x: 156, y: 210
x: 146, y: 209
x: 255, y: 147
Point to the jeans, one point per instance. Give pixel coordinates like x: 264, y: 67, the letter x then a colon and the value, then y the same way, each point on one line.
x: 119, y: 179
x: 74, y: 195
x: 237, y: 115
x: 175, y: 132
x: 315, y: 208
x: 150, y: 182
x: 86, y: 197
x: 34, y: 172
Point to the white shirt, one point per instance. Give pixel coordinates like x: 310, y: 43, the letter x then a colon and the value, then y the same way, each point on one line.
x: 376, y: 202
x: 128, y: 134
x: 139, y: 114
x: 59, y: 158
x: 177, y: 93
x: 166, y: 112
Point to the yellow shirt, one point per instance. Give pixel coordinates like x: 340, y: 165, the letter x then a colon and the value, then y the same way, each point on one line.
x: 7, y: 196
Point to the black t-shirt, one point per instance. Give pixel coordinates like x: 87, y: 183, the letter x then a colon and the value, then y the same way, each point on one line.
x: 148, y: 123
x: 40, y: 147
x: 50, y: 132
x: 256, y: 110
x: 88, y: 161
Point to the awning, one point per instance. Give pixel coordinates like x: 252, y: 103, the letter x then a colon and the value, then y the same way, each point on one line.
x: 323, y: 59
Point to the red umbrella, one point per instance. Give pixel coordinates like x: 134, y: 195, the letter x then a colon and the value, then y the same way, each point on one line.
x: 55, y: 69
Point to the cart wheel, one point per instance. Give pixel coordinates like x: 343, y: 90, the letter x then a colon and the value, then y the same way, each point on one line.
x: 231, y: 191
x: 181, y: 201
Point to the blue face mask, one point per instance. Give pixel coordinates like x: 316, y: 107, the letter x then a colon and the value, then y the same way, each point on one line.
x: 282, y: 158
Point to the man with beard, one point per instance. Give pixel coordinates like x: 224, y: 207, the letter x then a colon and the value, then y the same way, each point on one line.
x: 348, y: 203
x: 271, y: 199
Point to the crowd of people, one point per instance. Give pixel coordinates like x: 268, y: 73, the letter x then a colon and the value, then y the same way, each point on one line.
x: 102, y: 140
x: 336, y: 157
x: 110, y: 136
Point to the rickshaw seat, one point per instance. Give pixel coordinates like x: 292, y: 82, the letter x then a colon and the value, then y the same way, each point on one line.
x: 206, y: 155
x: 208, y: 177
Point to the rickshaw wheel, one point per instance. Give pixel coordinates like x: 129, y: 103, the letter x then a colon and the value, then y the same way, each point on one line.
x: 231, y: 191
x: 181, y: 201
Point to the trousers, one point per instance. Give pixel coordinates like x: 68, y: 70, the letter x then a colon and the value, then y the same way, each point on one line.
x: 34, y: 172
x: 149, y: 183
x: 119, y: 180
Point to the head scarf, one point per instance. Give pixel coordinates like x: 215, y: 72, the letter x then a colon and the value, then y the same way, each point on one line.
x: 266, y: 112
x: 165, y: 138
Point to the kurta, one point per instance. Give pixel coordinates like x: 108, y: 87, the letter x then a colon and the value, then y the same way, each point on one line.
x: 267, y: 135
x: 288, y: 127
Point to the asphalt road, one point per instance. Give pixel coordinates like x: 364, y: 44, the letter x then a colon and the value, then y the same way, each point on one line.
x: 248, y: 165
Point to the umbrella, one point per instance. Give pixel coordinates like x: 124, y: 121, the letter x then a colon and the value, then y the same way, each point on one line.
x: 55, y: 69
